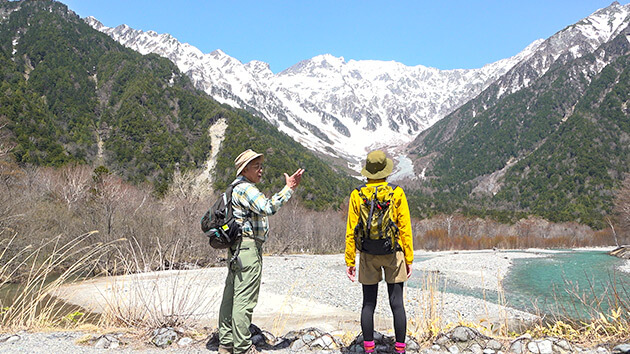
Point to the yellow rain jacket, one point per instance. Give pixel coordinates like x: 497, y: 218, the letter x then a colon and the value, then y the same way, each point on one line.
x: 401, y: 218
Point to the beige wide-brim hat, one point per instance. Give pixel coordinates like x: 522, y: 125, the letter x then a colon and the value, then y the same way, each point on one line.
x: 244, y: 158
x: 377, y: 165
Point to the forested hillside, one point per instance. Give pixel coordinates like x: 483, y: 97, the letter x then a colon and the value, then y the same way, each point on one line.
x: 589, y: 155
x: 557, y: 149
x: 70, y: 94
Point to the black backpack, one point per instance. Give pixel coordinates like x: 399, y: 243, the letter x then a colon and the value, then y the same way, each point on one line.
x: 219, y: 224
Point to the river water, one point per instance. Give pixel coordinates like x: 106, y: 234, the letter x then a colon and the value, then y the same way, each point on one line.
x: 573, y: 283
x: 9, y: 292
x: 569, y: 283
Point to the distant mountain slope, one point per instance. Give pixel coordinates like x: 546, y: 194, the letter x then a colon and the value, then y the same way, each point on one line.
x: 588, y: 154
x: 574, y: 41
x: 70, y: 94
x: 327, y: 104
x: 345, y: 108
x: 68, y: 89
x: 555, y: 148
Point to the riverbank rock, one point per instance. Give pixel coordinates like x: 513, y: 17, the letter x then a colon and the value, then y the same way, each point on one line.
x: 621, y: 349
x: 10, y: 338
x: 312, y: 339
x: 107, y: 341
x: 621, y: 252
x: 460, y: 339
x: 309, y: 339
x: 551, y: 345
x: 463, y: 339
x: 383, y: 344
x: 163, y: 337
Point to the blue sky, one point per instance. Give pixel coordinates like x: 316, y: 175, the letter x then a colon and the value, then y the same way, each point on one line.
x: 442, y: 34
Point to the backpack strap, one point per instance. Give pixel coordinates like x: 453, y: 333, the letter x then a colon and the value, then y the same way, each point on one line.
x: 395, y: 241
x: 373, y: 201
x: 228, y: 191
x: 236, y: 252
x: 382, y: 205
x: 231, y: 187
x: 361, y: 186
x: 361, y: 194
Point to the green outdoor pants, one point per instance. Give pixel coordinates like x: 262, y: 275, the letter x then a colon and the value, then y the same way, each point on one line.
x: 240, y: 296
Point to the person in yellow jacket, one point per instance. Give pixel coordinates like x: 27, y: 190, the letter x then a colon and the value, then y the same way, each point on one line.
x: 396, y: 265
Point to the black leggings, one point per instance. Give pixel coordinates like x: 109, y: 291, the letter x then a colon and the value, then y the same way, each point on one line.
x: 370, y: 293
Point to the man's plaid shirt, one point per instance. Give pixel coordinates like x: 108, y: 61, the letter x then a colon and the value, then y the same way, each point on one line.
x: 251, y: 208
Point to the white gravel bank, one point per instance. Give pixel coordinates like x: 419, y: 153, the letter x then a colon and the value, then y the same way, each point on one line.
x: 300, y: 291
x: 484, y: 269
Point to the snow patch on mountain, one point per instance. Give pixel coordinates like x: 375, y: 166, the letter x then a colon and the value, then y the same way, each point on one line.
x: 337, y: 107
x: 574, y: 41
x: 346, y: 108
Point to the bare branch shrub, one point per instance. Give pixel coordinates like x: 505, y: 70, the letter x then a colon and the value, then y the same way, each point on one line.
x: 5, y: 145
x: 154, y: 300
x: 39, y: 204
x: 185, y: 203
x: 458, y: 232
x: 295, y: 229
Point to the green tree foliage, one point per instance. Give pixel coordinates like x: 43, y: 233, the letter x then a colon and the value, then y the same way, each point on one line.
x: 65, y: 88
x: 573, y: 174
x: 322, y: 187
x: 564, y: 139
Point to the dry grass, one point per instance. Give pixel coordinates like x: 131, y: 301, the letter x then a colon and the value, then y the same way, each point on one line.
x: 135, y: 300
x: 430, y: 317
x: 165, y: 298
x: 29, y: 304
x: 606, y: 317
x: 429, y: 320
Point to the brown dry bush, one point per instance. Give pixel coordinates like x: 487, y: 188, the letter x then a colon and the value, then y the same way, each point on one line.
x: 446, y: 232
x: 39, y: 204
x: 295, y: 229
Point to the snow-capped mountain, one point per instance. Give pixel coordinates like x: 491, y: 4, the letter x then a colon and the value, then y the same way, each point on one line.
x: 327, y: 104
x: 344, y: 108
x: 573, y: 42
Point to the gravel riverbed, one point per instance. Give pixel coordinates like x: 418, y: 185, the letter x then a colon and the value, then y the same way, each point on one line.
x: 313, y: 290
x: 297, y: 292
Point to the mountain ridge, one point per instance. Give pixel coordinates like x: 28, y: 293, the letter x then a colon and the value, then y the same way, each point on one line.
x: 72, y: 95
x: 507, y: 155
x: 346, y: 108
x: 573, y: 41
x: 343, y: 123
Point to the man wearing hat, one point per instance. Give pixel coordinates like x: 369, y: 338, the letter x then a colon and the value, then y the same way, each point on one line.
x: 251, y: 209
x: 395, y: 262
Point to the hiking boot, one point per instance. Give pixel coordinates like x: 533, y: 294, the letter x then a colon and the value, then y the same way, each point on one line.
x: 225, y: 349
x: 399, y: 348
x: 252, y: 350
